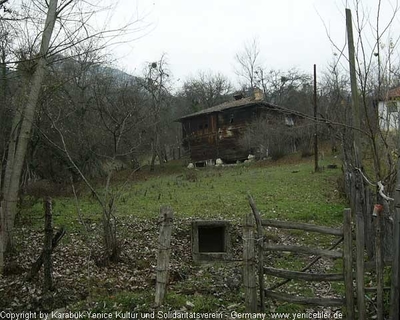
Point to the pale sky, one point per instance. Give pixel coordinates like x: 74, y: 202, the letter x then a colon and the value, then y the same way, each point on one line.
x: 205, y: 35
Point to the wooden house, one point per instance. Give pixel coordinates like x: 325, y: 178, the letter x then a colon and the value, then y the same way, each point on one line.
x: 216, y: 132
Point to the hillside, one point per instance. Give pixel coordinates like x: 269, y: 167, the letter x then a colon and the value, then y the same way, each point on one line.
x: 284, y: 190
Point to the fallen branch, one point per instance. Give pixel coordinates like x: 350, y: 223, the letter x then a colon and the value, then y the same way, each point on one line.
x: 39, y: 261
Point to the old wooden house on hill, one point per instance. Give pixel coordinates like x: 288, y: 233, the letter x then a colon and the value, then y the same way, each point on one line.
x: 216, y: 132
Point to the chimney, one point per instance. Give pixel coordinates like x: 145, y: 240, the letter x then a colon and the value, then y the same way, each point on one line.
x: 258, y: 94
x: 238, y: 96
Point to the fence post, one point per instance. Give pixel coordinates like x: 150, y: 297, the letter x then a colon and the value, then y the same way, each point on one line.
x: 394, y: 294
x: 260, y: 246
x: 249, y: 277
x: 164, y: 248
x: 1, y: 240
x: 348, y: 263
x: 48, y: 238
x: 360, y: 245
x: 379, y: 266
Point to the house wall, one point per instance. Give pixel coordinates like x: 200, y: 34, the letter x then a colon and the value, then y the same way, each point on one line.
x: 200, y: 137
x: 218, y: 135
x: 388, y: 112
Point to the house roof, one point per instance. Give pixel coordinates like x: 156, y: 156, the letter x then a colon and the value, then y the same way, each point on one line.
x: 393, y: 93
x: 244, y: 102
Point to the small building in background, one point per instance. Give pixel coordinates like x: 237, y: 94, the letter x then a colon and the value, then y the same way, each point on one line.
x: 388, y: 111
x: 216, y: 132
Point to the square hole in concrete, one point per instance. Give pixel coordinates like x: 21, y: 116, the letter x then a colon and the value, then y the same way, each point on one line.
x: 210, y: 240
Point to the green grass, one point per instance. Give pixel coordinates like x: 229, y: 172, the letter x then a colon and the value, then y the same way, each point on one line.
x: 288, y: 191
x: 283, y: 190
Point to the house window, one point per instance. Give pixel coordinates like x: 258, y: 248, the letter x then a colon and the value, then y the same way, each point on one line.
x: 289, y: 121
x: 200, y: 127
x: 231, y: 119
x: 206, y: 126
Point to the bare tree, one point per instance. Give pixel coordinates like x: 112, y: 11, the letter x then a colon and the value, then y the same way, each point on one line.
x: 248, y: 63
x: 205, y: 90
x: 66, y: 26
x: 107, y: 108
x: 156, y: 83
x: 17, y: 149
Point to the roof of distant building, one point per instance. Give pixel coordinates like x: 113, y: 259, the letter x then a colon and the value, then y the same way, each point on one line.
x: 244, y: 102
x: 393, y: 93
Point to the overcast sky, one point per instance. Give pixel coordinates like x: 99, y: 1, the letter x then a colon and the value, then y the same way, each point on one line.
x: 205, y: 35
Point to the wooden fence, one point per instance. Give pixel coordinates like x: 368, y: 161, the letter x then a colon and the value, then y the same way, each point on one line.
x: 255, y: 239
x: 253, y: 263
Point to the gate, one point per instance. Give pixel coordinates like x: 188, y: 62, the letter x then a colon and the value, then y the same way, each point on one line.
x: 253, y: 263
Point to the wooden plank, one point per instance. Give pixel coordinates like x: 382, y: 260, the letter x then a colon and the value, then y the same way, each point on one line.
x: 164, y: 249
x: 373, y: 289
x: 371, y: 265
x: 249, y: 277
x: 301, y: 226
x: 348, y: 264
x: 296, y: 275
x: 360, y: 259
x: 379, y: 267
x: 358, y: 183
x: 305, y: 250
x: 260, y: 243
x: 307, y: 267
x: 1, y: 240
x: 325, y: 302
x: 394, y: 292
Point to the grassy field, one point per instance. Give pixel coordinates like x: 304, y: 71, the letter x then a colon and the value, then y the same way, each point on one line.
x: 285, y: 190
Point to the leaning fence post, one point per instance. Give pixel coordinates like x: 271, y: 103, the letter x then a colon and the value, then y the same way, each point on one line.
x: 260, y: 245
x: 249, y: 277
x: 348, y: 263
x: 164, y: 248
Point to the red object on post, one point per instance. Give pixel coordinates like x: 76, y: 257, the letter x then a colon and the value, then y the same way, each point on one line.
x: 378, y: 208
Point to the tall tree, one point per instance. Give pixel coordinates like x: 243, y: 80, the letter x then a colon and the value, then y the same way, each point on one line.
x: 18, y: 146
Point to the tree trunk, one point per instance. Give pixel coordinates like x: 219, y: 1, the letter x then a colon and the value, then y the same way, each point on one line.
x: 110, y: 237
x: 14, y: 168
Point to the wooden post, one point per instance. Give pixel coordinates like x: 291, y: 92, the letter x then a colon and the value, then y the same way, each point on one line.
x: 379, y: 267
x: 394, y: 292
x: 260, y: 245
x: 48, y: 238
x: 1, y: 240
x: 353, y: 80
x: 39, y: 261
x: 358, y: 183
x: 249, y: 277
x: 316, y: 167
x: 360, y: 241
x: 164, y: 249
x: 348, y: 263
